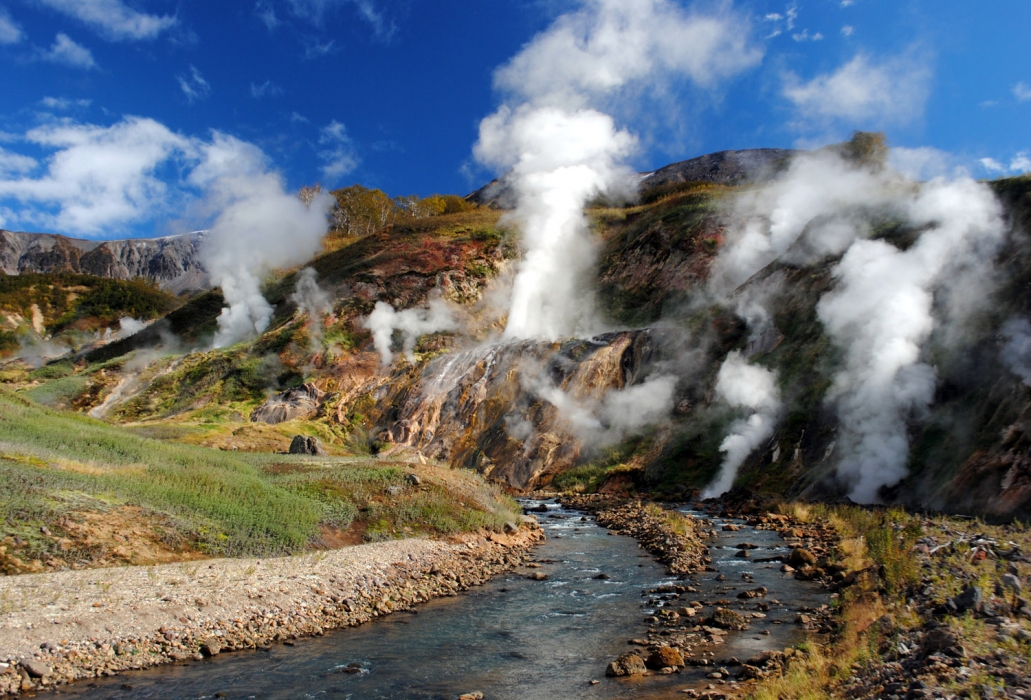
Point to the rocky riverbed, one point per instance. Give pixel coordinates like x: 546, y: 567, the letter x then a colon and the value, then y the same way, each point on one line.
x: 61, y: 627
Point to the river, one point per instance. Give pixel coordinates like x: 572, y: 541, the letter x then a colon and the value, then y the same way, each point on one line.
x: 512, y: 638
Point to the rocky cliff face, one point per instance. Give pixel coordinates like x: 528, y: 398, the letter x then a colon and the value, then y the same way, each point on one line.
x: 172, y: 261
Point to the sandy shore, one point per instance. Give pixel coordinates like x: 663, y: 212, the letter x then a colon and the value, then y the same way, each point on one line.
x: 59, y: 627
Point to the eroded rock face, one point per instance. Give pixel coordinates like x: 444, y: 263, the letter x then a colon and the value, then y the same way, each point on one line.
x: 297, y: 403
x: 172, y: 261
x: 485, y: 409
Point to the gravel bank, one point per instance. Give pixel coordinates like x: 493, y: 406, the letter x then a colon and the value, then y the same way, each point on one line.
x: 60, y: 627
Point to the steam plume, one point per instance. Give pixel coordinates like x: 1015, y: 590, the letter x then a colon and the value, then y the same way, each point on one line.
x: 749, y: 387
x: 561, y: 151
x: 312, y: 301
x: 887, y: 301
x: 412, y: 323
x: 882, y: 311
x: 260, y: 226
x: 1016, y: 351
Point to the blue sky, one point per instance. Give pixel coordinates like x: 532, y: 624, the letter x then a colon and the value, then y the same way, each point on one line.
x: 109, y: 108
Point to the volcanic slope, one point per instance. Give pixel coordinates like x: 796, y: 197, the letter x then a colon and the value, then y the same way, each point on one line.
x: 503, y: 409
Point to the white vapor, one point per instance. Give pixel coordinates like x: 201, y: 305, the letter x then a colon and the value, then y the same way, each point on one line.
x: 599, y: 421
x: 820, y: 194
x: 883, y: 309
x: 259, y: 227
x: 886, y: 301
x: 194, y: 86
x: 753, y: 388
x: 1016, y: 350
x: 561, y: 151
x: 412, y: 323
x: 312, y: 301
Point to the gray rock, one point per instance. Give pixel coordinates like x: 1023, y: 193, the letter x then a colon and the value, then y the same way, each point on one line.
x: 413, y: 479
x: 36, y: 668
x: 304, y: 445
x: 969, y: 599
x: 511, y: 528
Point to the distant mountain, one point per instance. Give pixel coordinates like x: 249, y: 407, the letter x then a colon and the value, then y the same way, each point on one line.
x: 172, y: 261
x: 724, y: 167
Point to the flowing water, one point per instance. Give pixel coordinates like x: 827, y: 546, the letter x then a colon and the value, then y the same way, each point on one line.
x: 512, y: 638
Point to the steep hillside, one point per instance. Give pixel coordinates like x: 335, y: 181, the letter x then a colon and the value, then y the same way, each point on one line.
x: 171, y: 261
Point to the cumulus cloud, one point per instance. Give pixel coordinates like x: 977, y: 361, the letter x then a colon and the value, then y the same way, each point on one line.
x: 97, y: 177
x: 1022, y: 91
x: 1021, y: 163
x: 194, y: 86
x: 560, y: 149
x: 113, y: 19
x: 993, y: 166
x: 863, y: 91
x: 754, y: 389
x: 15, y: 163
x: 337, y: 151
x: 68, y: 53
x: 10, y: 32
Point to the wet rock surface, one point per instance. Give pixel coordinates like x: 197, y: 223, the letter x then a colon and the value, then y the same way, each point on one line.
x: 297, y: 403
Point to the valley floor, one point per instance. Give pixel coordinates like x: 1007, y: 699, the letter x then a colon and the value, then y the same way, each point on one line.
x: 69, y: 625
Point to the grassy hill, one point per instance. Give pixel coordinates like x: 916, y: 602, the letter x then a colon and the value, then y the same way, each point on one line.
x: 60, y: 470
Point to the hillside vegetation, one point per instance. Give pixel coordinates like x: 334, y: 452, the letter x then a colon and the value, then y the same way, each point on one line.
x: 162, y: 500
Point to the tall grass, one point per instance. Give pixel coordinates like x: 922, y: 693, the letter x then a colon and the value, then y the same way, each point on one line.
x: 228, y: 503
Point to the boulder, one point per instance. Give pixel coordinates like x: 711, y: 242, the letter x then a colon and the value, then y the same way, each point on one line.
x: 413, y: 479
x: 304, y: 445
x: 969, y: 599
x: 628, y: 664
x: 297, y: 403
x: 210, y: 647
x: 664, y: 657
x: 801, y: 557
x: 726, y: 619
x: 36, y: 668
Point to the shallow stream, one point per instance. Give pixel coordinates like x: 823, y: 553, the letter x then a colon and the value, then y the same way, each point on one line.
x: 512, y: 638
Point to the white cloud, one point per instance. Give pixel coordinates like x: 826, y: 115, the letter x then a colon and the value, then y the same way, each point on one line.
x: 338, y: 154
x: 1021, y: 163
x: 15, y: 163
x: 67, y: 52
x: 97, y: 177
x: 267, y: 14
x: 266, y: 89
x: 113, y: 19
x: 314, y: 49
x: 298, y: 118
x: 847, y: 3
x: 10, y: 33
x: 804, y: 35
x: 992, y: 165
x: 194, y: 86
x: 863, y: 92
x: 1022, y: 91
x: 315, y: 11
x: 847, y: 30
x: 611, y: 45
x: 63, y: 103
